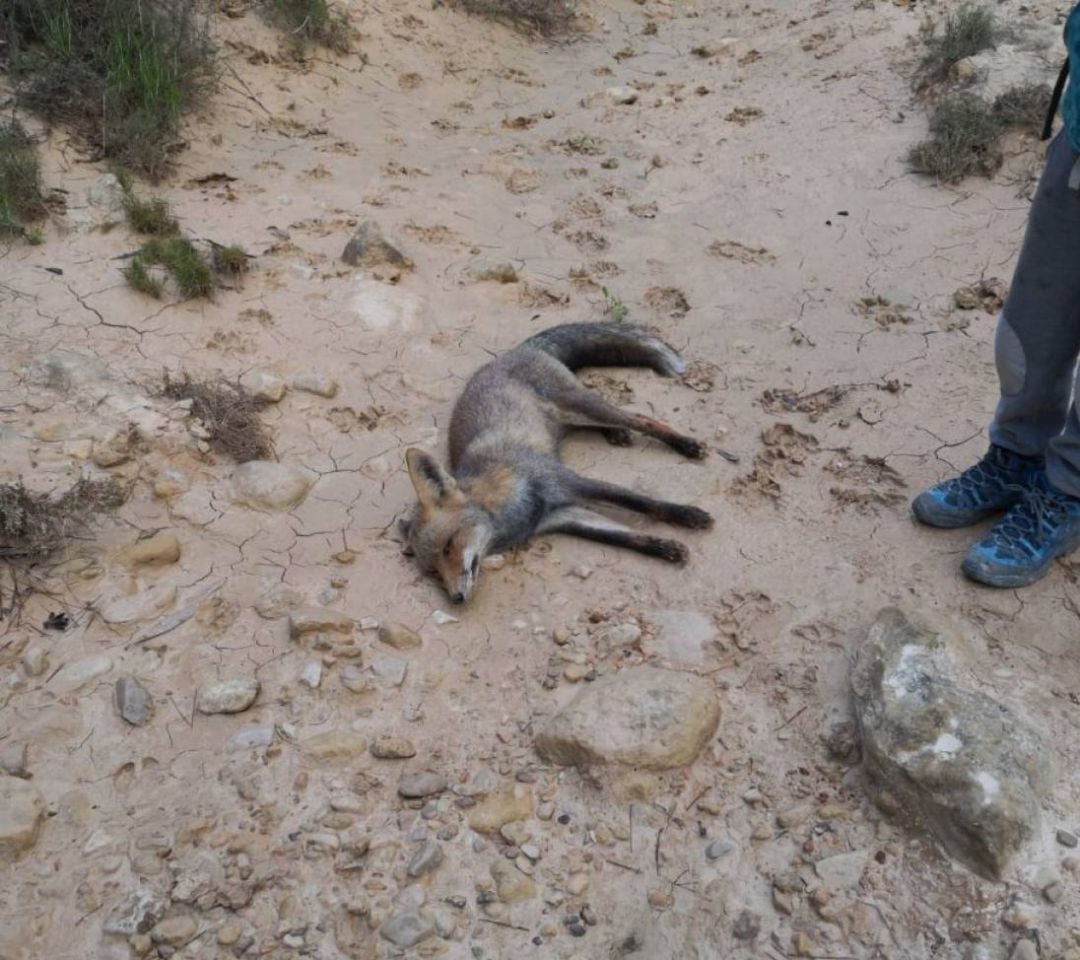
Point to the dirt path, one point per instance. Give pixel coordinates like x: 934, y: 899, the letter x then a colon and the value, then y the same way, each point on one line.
x: 734, y: 177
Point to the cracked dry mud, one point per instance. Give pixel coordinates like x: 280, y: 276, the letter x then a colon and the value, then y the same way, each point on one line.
x: 292, y: 781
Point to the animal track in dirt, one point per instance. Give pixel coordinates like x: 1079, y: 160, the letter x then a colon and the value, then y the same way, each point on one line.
x: 745, y: 618
x: 669, y: 300
x: 868, y: 482
x: 701, y: 376
x: 347, y: 419
x: 613, y: 389
x: 784, y: 454
x: 883, y: 312
x: 816, y: 403
x: 733, y: 250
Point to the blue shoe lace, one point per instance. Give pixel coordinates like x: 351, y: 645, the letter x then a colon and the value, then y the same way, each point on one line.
x: 987, y: 480
x: 1039, y: 514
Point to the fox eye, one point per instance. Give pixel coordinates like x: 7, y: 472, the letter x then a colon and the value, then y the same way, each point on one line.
x: 446, y: 548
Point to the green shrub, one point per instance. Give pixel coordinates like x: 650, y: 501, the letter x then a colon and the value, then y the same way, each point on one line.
x: 21, y: 196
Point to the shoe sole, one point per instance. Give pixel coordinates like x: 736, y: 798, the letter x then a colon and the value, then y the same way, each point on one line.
x: 992, y: 576
x: 930, y: 515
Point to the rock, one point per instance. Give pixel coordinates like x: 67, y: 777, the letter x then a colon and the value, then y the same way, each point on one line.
x: 577, y: 884
x: 747, y: 926
x: 682, y: 636
x: 229, y: 933
x: 311, y: 675
x: 406, y: 930
x: 171, y: 483
x: 392, y: 669
x: 619, y: 635
x: 1024, y: 950
x: 229, y: 696
x: 81, y: 672
x: 442, y: 618
x: 972, y: 771
x: 251, y: 738
x: 413, y: 786
x: 264, y: 385
x: 399, y: 637
x: 138, y: 914
x: 511, y: 885
x: 335, y: 745
x: 718, y: 848
x: 107, y: 193
x: 368, y: 248
x: 318, y: 620
x: 111, y: 449
x: 1066, y: 839
x: 158, y: 550
x: 174, y: 931
x: 844, y: 870
x: 966, y: 298
x: 35, y: 660
x: 640, y: 715
x: 531, y: 851
x: 311, y: 381
x: 167, y: 623
x: 964, y: 71
x: 21, y: 809
x: 140, y: 606
x: 426, y: 859
x: 393, y: 748
x: 264, y: 484
x: 793, y: 816
x: 354, y: 679
x: 133, y: 701
x: 13, y: 760
x: 496, y: 810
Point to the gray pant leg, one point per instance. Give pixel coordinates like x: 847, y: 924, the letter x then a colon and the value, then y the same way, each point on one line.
x: 1038, y: 337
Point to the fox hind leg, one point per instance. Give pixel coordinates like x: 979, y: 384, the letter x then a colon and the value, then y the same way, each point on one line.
x: 581, y: 522
x: 677, y: 514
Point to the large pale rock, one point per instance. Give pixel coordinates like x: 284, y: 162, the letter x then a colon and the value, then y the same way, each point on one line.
x: 139, y: 606
x: 267, y: 485
x: 642, y: 716
x: 21, y: 809
x: 229, y: 696
x: 964, y: 764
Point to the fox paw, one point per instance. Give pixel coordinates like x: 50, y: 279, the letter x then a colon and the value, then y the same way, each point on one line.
x: 670, y: 550
x: 619, y: 437
x: 692, y: 517
x: 689, y: 447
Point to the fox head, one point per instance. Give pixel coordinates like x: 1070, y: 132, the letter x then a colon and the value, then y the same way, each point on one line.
x: 448, y: 534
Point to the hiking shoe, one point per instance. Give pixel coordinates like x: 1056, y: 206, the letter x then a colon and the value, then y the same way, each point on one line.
x: 1042, y: 525
x: 990, y: 486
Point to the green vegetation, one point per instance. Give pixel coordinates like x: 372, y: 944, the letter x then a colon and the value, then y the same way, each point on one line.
x: 22, y: 199
x: 312, y: 21
x: 616, y: 309
x: 121, y: 73
x: 230, y: 261
x: 151, y: 217
x: 193, y: 275
x: 1024, y: 107
x: 140, y: 278
x: 967, y: 32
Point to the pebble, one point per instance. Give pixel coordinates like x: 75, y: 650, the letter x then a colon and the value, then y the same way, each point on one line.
x: 158, y: 550
x: 531, y: 851
x: 311, y: 381
x: 174, y: 930
x: 441, y: 617
x: 335, y: 745
x: 1024, y: 950
x: 137, y: 914
x: 1067, y: 839
x: 414, y: 786
x: 393, y: 748
x: 399, y: 636
x: 498, y: 809
x: 575, y: 672
x: 1053, y: 892
x: 577, y: 884
x: 794, y: 816
x: 229, y: 933
x: 133, y: 701
x: 660, y: 899
x: 392, y: 669
x: 34, y: 661
x: 140, y: 606
x: 545, y: 811
x: 747, y: 926
x: 22, y: 808
x: 251, y: 738
x: 264, y: 385
x: 354, y: 679
x: 406, y: 930
x: 311, y: 675
x: 511, y: 885
x: 82, y: 672
x: 228, y: 696
x: 582, y: 571
x: 1018, y: 917
x: 802, y: 945
x: 307, y: 620
x: 13, y: 760
x: 426, y: 859
x: 268, y: 485
x: 718, y: 848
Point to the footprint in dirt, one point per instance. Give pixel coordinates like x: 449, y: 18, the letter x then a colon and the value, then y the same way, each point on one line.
x: 733, y: 250
x: 785, y: 452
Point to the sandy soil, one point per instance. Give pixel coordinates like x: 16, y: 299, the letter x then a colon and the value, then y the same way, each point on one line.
x: 754, y: 206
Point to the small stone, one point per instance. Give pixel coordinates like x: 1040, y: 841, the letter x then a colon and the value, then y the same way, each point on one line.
x: 170, y: 483
x: 318, y: 620
x: 392, y: 669
x: 498, y: 809
x: 747, y: 926
x: 354, y: 679
x: 1071, y: 864
x: 660, y: 899
x: 794, y: 816
x: 1024, y: 950
x: 545, y: 811
x: 107, y: 193
x: 442, y: 618
x: 1066, y: 839
x: 228, y: 696
x: 35, y: 660
x: 314, y: 382
x: 783, y: 902
x: 718, y: 848
x: 311, y: 675
x: 399, y: 636
x: 21, y: 810
x: 393, y: 748
x: 268, y: 485
x: 158, y: 550
x: 531, y: 851
x: 426, y: 859
x: 175, y: 930
x: 575, y: 672
x: 577, y: 884
x: 511, y: 885
x: 13, y: 760
x: 414, y: 786
x: 406, y: 930
x: 229, y: 933
x: 264, y: 385
x: 335, y: 745
x: 137, y: 914
x: 82, y: 672
x: 1053, y: 892
x: 964, y: 71
x: 368, y: 248
x: 582, y: 571
x: 140, y: 944
x: 112, y: 449
x: 802, y: 945
x: 133, y: 701
x: 843, y: 871
x: 251, y: 738
x: 1019, y: 917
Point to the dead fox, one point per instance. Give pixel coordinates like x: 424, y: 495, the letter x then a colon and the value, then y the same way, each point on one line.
x: 506, y: 483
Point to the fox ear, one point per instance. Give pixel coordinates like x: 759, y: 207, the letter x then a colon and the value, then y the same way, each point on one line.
x: 434, y: 486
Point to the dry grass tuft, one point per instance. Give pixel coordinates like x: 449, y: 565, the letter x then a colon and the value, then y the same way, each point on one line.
x: 545, y: 16
x: 230, y: 415
x: 33, y: 526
